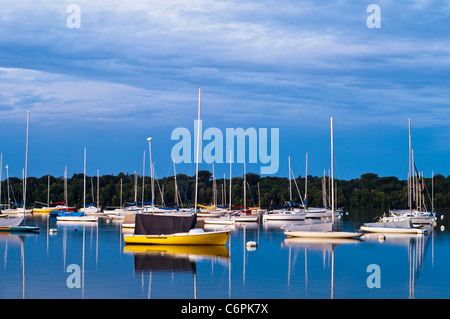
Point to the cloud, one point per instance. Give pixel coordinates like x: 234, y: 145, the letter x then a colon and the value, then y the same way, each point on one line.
x: 307, y: 59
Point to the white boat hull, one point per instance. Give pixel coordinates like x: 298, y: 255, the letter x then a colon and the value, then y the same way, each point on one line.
x: 392, y: 230
x: 283, y: 216
x: 77, y: 218
x: 322, y: 234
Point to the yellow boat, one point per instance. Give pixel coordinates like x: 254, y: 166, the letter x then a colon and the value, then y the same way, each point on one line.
x: 193, y: 237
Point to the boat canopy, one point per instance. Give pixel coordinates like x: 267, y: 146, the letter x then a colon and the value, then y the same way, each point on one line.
x: 391, y: 224
x: 149, y: 224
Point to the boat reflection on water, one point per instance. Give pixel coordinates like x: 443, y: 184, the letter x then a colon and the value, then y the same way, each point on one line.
x: 174, y: 258
x: 325, y: 245
x: 12, y: 241
x: 415, y: 244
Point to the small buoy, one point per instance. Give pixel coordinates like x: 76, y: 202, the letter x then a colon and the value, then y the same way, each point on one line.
x: 251, y: 245
x: 381, y: 238
x: 346, y: 213
x: 435, y: 224
x: 442, y: 227
x: 108, y: 221
x: 52, y: 230
x: 442, y: 217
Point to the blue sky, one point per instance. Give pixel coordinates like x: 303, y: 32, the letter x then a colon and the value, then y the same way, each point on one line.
x: 133, y: 68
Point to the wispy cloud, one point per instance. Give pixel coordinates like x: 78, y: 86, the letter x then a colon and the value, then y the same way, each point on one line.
x: 261, y: 63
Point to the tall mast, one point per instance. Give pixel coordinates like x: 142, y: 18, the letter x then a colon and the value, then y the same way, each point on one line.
x: 26, y: 164
x: 151, y: 171
x: 7, y: 184
x: 432, y: 191
x: 410, y: 175
x: 121, y: 193
x: 290, y: 184
x: 306, y: 183
x: 143, y: 179
x: 324, y: 192
x: 245, y: 188
x: 48, y: 190
x: 332, y: 174
x: 214, y: 187
x: 65, y: 186
x: 84, y: 181
x: 198, y: 149
x: 98, y: 188
x: 175, y: 183
x: 230, y: 180
x: 1, y: 169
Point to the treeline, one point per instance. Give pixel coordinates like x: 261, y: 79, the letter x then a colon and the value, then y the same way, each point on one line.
x: 368, y: 191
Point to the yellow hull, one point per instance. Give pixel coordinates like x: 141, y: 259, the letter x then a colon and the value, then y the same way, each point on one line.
x: 44, y: 210
x: 204, y: 238
x: 180, y: 250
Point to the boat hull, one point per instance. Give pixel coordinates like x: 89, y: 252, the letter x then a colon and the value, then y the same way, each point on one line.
x: 392, y: 230
x: 322, y: 234
x: 204, y: 238
x: 77, y: 218
x: 19, y: 229
x: 284, y: 217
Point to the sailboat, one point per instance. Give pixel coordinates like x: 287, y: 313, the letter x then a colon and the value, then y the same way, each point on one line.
x: 79, y: 216
x: 325, y: 229
x: 403, y: 225
x: 286, y: 214
x: 175, y: 229
x: 311, y: 212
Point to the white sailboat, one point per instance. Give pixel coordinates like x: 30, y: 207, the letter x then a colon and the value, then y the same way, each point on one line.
x: 326, y: 229
x: 400, y: 225
x: 79, y: 216
x: 287, y: 214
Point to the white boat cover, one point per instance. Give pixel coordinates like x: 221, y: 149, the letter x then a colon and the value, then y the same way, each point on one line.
x: 321, y: 227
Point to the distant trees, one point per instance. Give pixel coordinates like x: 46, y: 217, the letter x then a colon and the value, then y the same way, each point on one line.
x: 367, y: 191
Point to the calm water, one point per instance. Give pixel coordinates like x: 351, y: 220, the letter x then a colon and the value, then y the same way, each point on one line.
x: 35, y: 265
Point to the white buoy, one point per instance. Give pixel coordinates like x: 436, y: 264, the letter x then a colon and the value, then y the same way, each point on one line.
x: 442, y: 227
x: 251, y: 245
x: 381, y: 238
x: 52, y: 230
x: 442, y: 217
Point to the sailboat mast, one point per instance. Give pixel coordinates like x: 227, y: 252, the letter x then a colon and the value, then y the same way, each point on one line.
x: 198, y: 149
x: 290, y: 184
x: 306, y: 183
x: 98, y: 188
x: 151, y: 171
x: 48, y: 190
x: 245, y: 188
x: 410, y: 175
x: 84, y: 181
x: 214, y: 187
x: 332, y: 174
x: 432, y: 191
x: 230, y: 180
x: 26, y: 164
x: 175, y: 183
x: 143, y: 179
x: 324, y: 192
x: 65, y: 186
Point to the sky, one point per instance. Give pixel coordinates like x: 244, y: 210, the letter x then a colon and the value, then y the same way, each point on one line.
x: 108, y: 74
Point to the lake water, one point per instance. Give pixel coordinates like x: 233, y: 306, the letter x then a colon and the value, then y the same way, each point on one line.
x: 46, y: 265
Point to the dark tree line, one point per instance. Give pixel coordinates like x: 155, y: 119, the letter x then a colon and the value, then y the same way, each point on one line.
x: 368, y: 191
